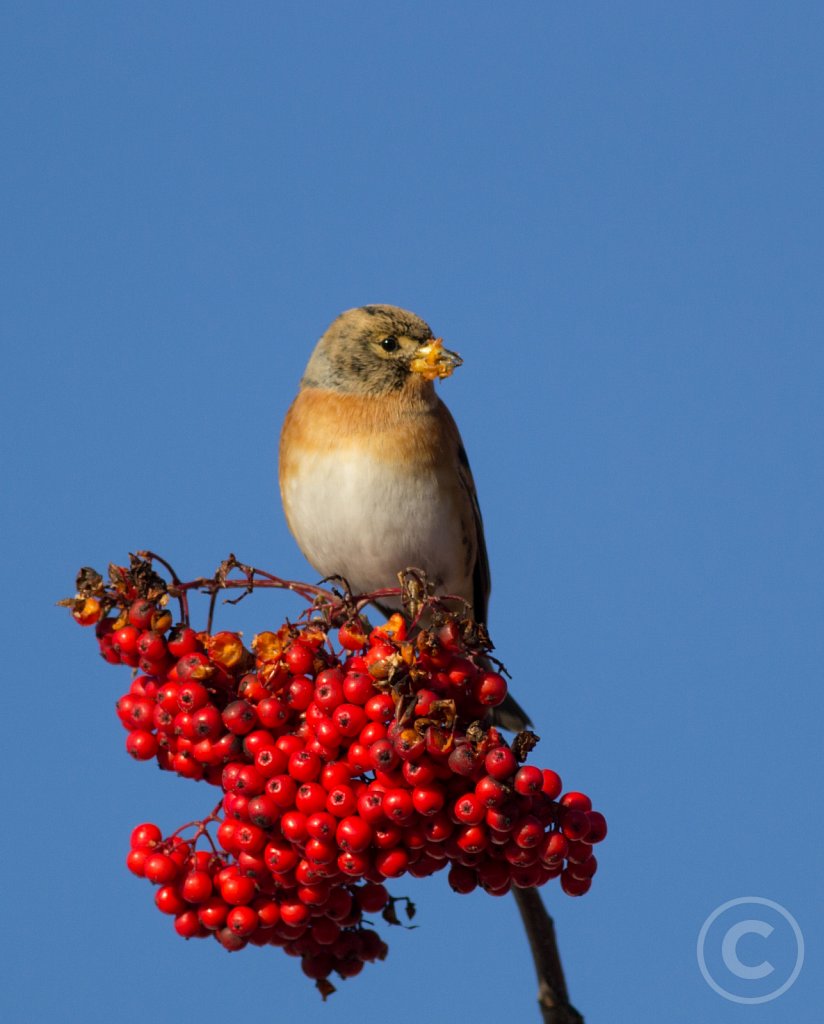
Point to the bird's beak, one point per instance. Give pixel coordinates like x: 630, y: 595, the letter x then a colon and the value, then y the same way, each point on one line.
x: 433, y: 360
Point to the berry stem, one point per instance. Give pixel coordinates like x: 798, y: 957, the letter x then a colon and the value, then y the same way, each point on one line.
x: 251, y: 578
x: 553, y: 998
x: 180, y: 591
x: 202, y: 827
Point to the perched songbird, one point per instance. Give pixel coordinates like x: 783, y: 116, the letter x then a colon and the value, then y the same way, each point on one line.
x: 373, y: 474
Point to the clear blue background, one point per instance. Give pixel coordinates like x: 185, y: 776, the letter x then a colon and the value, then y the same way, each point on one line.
x: 614, y: 212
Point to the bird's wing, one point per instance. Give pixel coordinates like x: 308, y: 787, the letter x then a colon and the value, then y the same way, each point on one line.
x: 470, y: 512
x: 481, y: 579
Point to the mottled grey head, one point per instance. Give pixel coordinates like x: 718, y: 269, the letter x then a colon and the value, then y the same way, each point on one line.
x: 376, y: 349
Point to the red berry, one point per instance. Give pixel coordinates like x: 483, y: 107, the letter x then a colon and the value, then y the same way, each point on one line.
x: 197, y: 886
x: 281, y: 856
x: 328, y: 734
x: 372, y: 897
x: 192, y: 695
x: 169, y: 901
x: 270, y: 761
x: 491, y: 792
x: 398, y: 805
x: 239, y: 717
x: 273, y: 713
x: 293, y: 912
x: 136, y: 861
x: 353, y: 834
x: 341, y: 801
x: 573, y: 886
x: 383, y: 755
x: 212, y: 913
x: 552, y: 783
x: 355, y: 865
x: 357, y: 687
x: 317, y: 967
x: 462, y: 879
x: 182, y: 641
x: 151, y: 645
x: 469, y: 809
x: 380, y: 708
x: 268, y: 911
x: 324, y: 932
x: 188, y: 926
x: 349, y: 719
x: 145, y: 836
x: 142, y: 745
x: 359, y: 759
x: 585, y: 869
x: 463, y: 760
x: 160, y: 868
x: 311, y: 797
x: 574, y: 823
x: 293, y: 825
x: 304, y: 766
x: 207, y: 723
x: 283, y: 790
x: 336, y: 773
x: 242, y: 920
x: 321, y: 851
x: 554, y: 848
x: 438, y: 827
x: 299, y: 693
x: 428, y: 800
x: 238, y: 890
x: 597, y: 827
x: 473, y: 838
x: 124, y: 640
x: 329, y: 689
x: 490, y: 690
x: 299, y: 658
x: 529, y: 780
x: 579, y: 801
x: 501, y: 763
x: 392, y: 863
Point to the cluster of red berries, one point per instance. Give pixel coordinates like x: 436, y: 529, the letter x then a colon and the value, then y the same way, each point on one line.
x: 239, y: 901
x: 341, y: 767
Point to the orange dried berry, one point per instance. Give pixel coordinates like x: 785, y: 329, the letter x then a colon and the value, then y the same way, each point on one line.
x: 273, y: 674
x: 351, y: 636
x: 313, y: 636
x: 86, y: 611
x: 161, y: 621
x: 407, y: 654
x: 224, y: 649
x: 433, y: 360
x: 394, y: 628
x: 267, y: 646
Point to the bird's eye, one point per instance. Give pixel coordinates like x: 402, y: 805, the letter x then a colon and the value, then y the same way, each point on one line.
x: 389, y: 344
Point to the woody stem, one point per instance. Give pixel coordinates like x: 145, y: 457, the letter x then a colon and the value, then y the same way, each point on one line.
x: 553, y: 998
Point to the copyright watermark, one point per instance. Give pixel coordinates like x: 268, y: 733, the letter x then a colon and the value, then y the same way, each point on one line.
x: 750, y: 950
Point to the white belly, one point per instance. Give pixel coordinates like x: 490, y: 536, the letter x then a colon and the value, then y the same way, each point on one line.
x: 363, y: 520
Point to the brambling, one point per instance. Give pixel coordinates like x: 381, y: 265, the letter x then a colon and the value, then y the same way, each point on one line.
x: 374, y: 477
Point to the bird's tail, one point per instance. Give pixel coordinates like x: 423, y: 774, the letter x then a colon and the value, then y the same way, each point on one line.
x: 510, y: 715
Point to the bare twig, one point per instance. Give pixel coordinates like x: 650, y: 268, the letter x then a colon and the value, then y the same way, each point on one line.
x: 553, y: 998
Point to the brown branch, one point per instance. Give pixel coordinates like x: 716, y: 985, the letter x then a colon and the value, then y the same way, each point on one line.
x: 553, y: 998
x: 251, y: 578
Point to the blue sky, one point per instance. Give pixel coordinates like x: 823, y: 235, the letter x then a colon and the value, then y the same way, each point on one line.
x: 613, y: 211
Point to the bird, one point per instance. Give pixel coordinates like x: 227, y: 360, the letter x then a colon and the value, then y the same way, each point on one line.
x: 374, y: 476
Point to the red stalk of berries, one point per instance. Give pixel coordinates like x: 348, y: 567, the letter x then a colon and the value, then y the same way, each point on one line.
x: 344, y: 759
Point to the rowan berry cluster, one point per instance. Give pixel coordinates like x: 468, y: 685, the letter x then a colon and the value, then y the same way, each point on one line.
x: 345, y: 756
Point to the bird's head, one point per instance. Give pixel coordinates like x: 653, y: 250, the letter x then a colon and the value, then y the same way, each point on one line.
x: 375, y: 350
